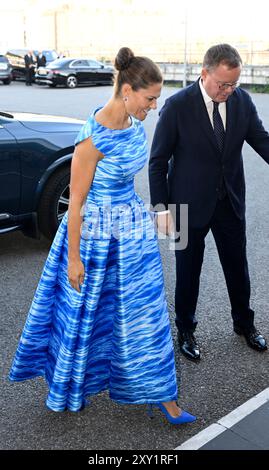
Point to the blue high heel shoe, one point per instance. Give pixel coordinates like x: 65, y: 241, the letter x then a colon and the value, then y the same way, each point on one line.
x: 184, y: 417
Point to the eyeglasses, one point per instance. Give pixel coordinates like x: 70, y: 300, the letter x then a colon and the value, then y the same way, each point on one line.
x: 224, y: 86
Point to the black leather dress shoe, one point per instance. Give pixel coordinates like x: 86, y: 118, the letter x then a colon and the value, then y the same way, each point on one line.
x: 253, y: 338
x: 188, y: 345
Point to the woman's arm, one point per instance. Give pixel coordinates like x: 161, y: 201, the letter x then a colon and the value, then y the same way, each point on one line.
x: 84, y: 162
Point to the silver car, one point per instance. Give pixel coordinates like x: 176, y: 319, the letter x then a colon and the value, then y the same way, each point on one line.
x: 5, y: 70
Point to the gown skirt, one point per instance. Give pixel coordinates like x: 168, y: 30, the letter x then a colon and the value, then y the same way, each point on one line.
x: 115, y: 333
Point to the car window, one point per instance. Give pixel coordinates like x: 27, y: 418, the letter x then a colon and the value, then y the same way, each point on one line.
x: 94, y: 64
x: 58, y: 63
x: 79, y: 63
x: 50, y: 55
x: 3, y: 59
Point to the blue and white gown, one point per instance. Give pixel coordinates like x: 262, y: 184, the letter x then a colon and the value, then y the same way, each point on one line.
x: 115, y: 334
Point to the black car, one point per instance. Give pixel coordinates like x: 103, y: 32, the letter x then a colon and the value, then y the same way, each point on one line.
x: 73, y: 72
x: 16, y: 59
x: 5, y: 70
x: 35, y: 156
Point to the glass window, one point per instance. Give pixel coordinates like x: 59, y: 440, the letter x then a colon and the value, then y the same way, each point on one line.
x: 94, y: 64
x: 80, y: 63
x: 59, y: 63
x: 50, y: 55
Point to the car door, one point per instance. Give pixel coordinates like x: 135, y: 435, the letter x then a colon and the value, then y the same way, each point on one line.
x: 95, y: 71
x: 81, y: 68
x: 10, y: 177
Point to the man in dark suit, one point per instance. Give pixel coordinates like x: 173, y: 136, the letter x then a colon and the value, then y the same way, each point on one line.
x: 196, y: 159
x: 41, y: 60
x: 29, y: 68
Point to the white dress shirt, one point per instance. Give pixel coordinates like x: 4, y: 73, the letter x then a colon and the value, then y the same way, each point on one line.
x: 209, y: 106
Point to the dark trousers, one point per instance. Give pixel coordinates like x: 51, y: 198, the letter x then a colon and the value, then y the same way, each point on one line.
x: 230, y: 236
x: 29, y: 75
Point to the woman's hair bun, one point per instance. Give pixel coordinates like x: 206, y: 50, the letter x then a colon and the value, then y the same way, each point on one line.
x: 123, y: 58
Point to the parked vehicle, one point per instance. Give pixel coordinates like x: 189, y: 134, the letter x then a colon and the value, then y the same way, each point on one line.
x: 35, y: 156
x: 16, y: 58
x: 74, y: 72
x: 5, y: 70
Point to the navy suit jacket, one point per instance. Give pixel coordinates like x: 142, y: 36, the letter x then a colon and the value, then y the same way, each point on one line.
x: 186, y: 166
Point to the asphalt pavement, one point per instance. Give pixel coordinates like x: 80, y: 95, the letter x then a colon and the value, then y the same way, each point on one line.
x: 245, y: 428
x: 229, y: 374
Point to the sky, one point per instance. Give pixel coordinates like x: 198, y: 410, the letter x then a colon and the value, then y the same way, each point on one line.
x: 209, y: 18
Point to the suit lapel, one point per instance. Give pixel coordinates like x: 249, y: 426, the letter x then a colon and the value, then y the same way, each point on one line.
x: 230, y: 121
x: 201, y: 114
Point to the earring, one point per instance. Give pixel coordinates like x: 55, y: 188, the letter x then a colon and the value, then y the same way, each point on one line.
x: 125, y: 98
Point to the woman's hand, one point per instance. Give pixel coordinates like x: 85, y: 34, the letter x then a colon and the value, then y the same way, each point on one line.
x: 76, y: 273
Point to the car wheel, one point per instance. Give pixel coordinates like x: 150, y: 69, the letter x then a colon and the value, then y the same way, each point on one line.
x: 54, y: 202
x: 71, y: 81
x: 7, y: 81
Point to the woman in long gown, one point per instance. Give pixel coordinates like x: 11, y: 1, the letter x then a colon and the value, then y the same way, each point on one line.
x: 99, y: 319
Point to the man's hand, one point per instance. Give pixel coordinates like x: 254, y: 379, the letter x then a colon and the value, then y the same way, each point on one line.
x: 165, y: 223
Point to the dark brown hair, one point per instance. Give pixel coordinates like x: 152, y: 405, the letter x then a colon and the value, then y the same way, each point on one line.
x: 139, y: 72
x: 222, y: 54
